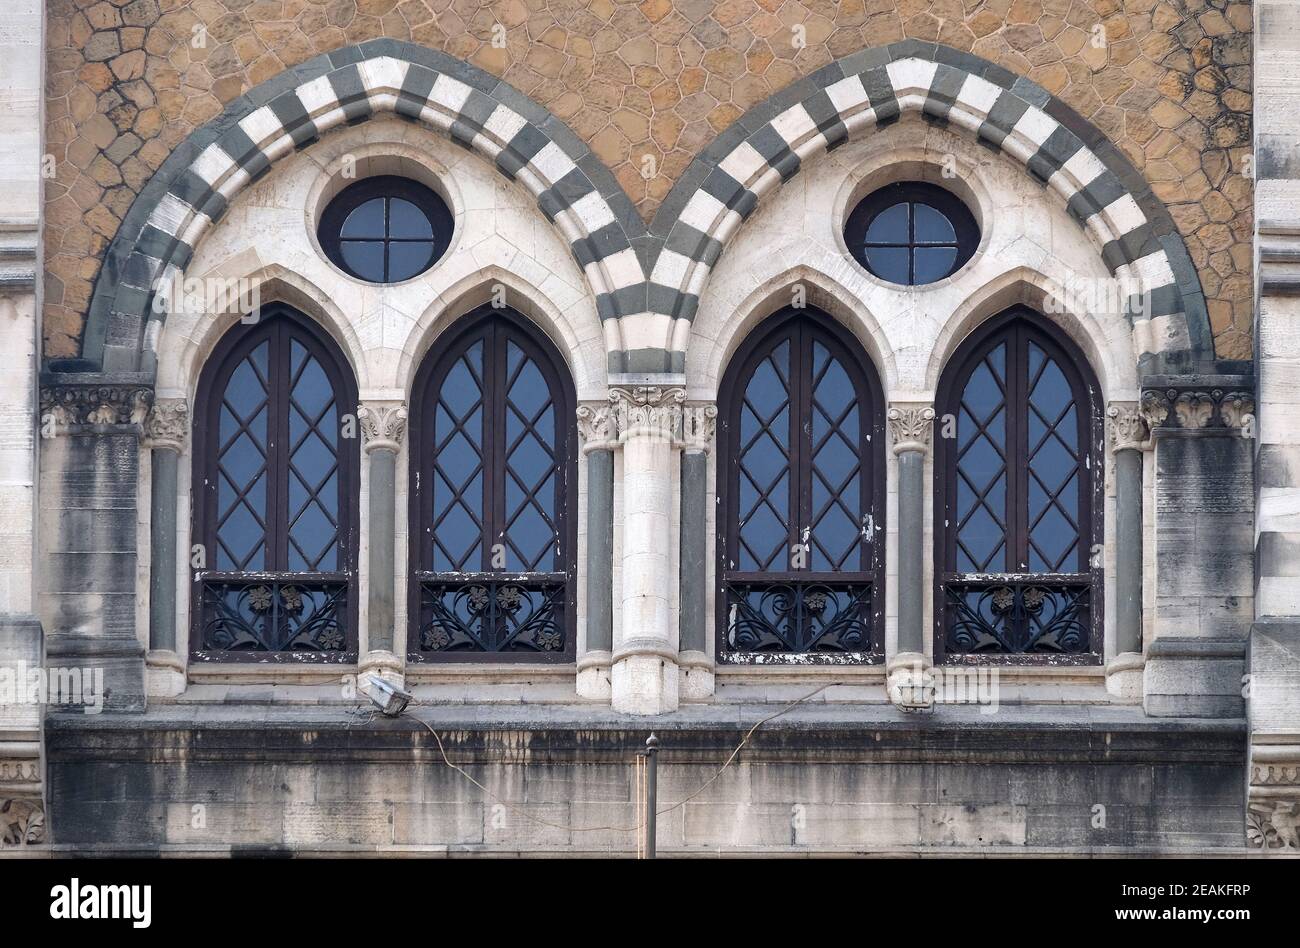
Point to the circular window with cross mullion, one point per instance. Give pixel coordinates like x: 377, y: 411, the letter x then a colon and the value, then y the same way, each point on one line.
x: 911, y: 233
x: 385, y: 229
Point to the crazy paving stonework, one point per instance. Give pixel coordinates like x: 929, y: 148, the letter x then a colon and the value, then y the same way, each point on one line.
x: 647, y: 86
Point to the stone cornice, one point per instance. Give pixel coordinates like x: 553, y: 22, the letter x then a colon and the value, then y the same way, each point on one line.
x: 910, y: 427
x: 18, y: 252
x: 168, y: 424
x: 1279, y: 258
x: 383, y: 426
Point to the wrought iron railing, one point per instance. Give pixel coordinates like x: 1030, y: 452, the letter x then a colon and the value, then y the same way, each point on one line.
x: 506, y: 614
x: 794, y: 619
x: 1019, y: 615
x: 249, y: 614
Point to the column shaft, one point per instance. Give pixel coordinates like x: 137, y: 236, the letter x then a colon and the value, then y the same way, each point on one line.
x: 695, y: 465
x: 382, y: 579
x: 600, y: 550
x: 911, y: 566
x: 1128, y: 551
x: 162, y: 550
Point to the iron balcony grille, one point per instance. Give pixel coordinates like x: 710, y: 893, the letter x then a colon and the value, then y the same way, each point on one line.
x: 1024, y: 617
x: 804, y: 618
x: 521, y: 615
x: 270, y: 616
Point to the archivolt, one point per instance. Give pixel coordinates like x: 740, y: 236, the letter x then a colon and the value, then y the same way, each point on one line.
x: 1136, y: 236
x: 195, y: 185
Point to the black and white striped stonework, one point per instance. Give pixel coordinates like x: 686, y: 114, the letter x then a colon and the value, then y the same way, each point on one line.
x: 649, y: 280
x: 1135, y: 234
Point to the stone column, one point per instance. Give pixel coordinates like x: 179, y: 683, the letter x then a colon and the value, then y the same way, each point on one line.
x: 910, y: 681
x: 699, y: 423
x: 90, y: 470
x: 383, y: 426
x: 599, y: 434
x: 1204, y: 545
x: 22, y: 132
x: 1128, y: 439
x: 165, y: 432
x: 645, y: 674
x: 1273, y: 686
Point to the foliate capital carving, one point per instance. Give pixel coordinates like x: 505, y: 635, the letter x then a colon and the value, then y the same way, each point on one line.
x: 648, y: 410
x: 699, y: 424
x: 67, y: 407
x: 1273, y: 823
x: 383, y: 426
x: 1199, y: 408
x: 1128, y: 427
x: 168, y: 424
x: 22, y: 821
x: 910, y: 427
x: 597, y: 427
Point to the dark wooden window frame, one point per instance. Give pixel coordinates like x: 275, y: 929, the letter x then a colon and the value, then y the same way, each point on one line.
x: 865, y: 379
x: 234, y: 346
x: 1022, y: 323
x: 437, y: 363
x: 329, y: 232
x: 912, y: 192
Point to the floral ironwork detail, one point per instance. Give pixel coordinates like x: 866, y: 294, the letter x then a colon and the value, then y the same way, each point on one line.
x: 1045, y: 615
x: 492, y: 614
x: 265, y: 616
x: 797, y: 617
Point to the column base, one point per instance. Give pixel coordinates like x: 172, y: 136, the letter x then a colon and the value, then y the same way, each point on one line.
x: 1124, y: 677
x: 645, y: 682
x: 164, y: 674
x: 1194, y: 678
x: 696, y: 681
x: 384, y: 665
x: 910, y: 682
x: 594, y: 676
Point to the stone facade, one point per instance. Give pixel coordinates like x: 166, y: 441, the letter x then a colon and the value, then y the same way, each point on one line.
x: 646, y: 184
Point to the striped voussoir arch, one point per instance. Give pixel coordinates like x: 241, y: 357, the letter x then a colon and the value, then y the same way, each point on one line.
x: 198, y: 181
x: 1135, y: 233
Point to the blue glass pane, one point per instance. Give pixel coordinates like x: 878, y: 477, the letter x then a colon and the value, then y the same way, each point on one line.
x: 931, y: 226
x: 934, y: 263
x: 890, y: 263
x: 406, y: 260
x: 366, y: 220
x: 364, y: 258
x: 889, y: 226
x: 407, y: 222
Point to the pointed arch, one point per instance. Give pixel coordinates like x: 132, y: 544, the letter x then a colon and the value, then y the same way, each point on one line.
x: 215, y: 163
x: 1135, y: 235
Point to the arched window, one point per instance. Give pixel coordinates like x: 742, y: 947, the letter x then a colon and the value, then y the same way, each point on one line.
x: 801, y: 487
x: 493, y: 487
x: 1019, y: 498
x: 275, y: 482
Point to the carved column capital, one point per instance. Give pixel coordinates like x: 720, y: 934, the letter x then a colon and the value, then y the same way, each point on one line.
x: 68, y: 407
x: 383, y: 426
x: 1127, y: 427
x: 597, y: 427
x: 648, y: 410
x: 168, y: 424
x: 699, y: 424
x: 910, y: 427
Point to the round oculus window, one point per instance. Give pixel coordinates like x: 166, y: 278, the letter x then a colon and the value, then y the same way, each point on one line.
x: 911, y: 233
x: 385, y: 229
